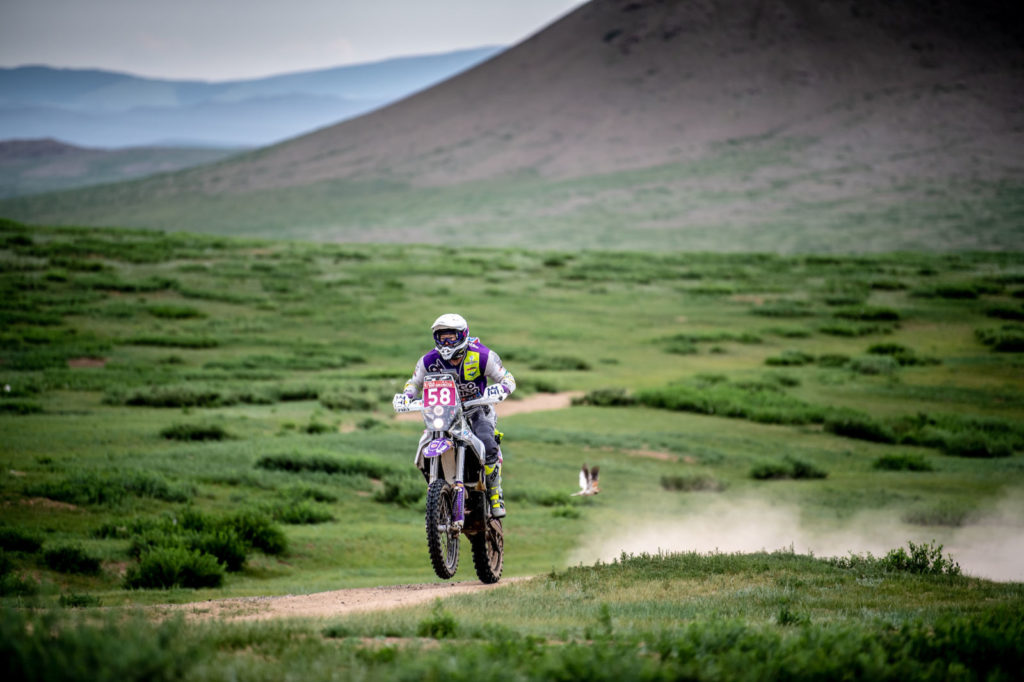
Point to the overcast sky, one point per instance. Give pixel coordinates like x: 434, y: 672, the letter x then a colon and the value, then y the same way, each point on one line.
x: 228, y: 39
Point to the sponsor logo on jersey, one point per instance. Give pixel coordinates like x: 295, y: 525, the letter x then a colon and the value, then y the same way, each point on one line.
x: 471, y: 367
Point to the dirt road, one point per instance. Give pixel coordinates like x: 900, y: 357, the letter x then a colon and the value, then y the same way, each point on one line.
x: 330, y: 604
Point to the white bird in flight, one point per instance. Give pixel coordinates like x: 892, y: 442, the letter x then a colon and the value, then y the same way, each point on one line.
x: 588, y: 481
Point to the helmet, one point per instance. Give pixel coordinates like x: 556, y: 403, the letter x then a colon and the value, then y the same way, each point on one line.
x: 448, y: 344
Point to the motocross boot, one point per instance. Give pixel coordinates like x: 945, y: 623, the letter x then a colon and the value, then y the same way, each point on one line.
x: 494, y: 492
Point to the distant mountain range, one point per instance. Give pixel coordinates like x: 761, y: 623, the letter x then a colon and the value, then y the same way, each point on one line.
x: 105, y: 109
x: 752, y: 125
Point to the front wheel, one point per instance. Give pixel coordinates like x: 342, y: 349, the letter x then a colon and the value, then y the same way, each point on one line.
x: 442, y: 539
x: 488, y: 551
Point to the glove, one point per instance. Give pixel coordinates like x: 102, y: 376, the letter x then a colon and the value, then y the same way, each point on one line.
x: 400, y: 402
x: 496, y: 392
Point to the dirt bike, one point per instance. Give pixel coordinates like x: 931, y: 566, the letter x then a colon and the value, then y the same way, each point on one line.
x: 457, y: 501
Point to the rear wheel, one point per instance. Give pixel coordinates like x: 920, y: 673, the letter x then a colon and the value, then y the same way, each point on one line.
x: 489, y: 551
x: 442, y: 541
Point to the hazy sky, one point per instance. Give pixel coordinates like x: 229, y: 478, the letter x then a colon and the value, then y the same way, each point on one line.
x: 227, y: 39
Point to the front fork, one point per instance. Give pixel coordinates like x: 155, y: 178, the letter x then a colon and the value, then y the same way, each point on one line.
x: 459, y: 506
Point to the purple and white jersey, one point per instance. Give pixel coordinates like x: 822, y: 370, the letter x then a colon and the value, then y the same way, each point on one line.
x: 479, y: 364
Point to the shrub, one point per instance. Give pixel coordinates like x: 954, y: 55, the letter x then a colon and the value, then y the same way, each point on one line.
x: 349, y: 402
x: 852, y: 329
x: 789, y: 468
x: 78, y: 601
x: 566, y: 512
x: 874, y: 364
x: 404, y: 491
x: 175, y: 312
x: 1006, y: 339
x: 979, y: 444
x: 71, y: 559
x: 17, y: 540
x: 606, y: 397
x: 166, y: 567
x: 1005, y: 312
x: 194, y: 342
x: 924, y: 559
x: 301, y: 512
x: 20, y: 407
x: 901, y: 354
x: 194, y: 432
x: 860, y: 426
x: 784, y: 308
x: 258, y: 532
x: 833, y: 360
x: 560, y: 363
x: 868, y: 314
x: 789, y: 358
x: 349, y: 466
x: 439, y: 625
x: 691, y: 483
x: 224, y: 544
x: 902, y: 463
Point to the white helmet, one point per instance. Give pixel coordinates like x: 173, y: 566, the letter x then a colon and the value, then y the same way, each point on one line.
x: 450, y: 346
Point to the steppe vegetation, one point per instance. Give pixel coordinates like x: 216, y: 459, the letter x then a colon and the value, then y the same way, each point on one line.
x: 186, y: 417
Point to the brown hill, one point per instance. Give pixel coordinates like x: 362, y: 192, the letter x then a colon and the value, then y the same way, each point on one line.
x: 630, y: 84
x: 753, y: 113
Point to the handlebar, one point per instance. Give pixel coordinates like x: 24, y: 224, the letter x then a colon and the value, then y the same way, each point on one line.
x: 417, y: 405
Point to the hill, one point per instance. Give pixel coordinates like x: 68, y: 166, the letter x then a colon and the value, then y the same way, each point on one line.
x: 780, y: 125
x: 34, y: 166
x: 109, y: 109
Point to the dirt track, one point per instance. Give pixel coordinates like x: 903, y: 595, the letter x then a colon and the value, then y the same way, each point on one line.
x: 329, y: 604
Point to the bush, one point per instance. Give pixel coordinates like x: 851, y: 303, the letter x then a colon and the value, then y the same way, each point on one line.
x: 923, y: 559
x: 1006, y: 339
x: 439, y: 625
x: 901, y: 354
x: 194, y: 432
x: 71, y: 559
x: 166, y: 567
x: 258, y: 532
x: 902, y: 463
x: 691, y: 483
x: 790, y: 468
x: 17, y: 540
x: 302, y: 512
x: 1005, y: 312
x: 404, y: 491
x: 175, y: 312
x: 874, y: 365
x: 349, y: 402
x: 860, y: 426
x: 606, y: 397
x: 833, y: 360
x: 789, y: 358
x: 349, y: 466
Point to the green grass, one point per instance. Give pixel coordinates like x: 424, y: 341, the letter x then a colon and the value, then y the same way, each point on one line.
x: 277, y: 444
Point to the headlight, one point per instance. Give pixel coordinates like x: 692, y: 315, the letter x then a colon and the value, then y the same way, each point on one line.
x: 438, y: 423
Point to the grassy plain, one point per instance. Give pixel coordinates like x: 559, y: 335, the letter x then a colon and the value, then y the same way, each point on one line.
x: 190, y: 410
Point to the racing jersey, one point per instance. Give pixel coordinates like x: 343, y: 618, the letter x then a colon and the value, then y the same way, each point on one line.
x: 477, y: 365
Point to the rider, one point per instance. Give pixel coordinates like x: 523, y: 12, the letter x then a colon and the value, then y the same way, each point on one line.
x: 472, y: 364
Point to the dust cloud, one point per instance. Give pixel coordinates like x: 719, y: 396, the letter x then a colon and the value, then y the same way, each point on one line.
x: 990, y: 545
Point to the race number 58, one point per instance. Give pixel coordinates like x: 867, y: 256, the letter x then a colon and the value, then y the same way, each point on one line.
x: 438, y: 395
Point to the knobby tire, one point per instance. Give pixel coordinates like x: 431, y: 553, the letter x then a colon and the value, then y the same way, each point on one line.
x: 443, y: 546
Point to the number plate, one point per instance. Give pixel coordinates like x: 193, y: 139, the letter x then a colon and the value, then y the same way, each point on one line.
x: 440, y: 392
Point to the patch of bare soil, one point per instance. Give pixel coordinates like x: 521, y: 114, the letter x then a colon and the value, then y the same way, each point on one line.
x: 47, y: 503
x: 330, y: 604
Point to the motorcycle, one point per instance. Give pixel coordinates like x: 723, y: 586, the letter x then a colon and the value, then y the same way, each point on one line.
x: 457, y: 501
